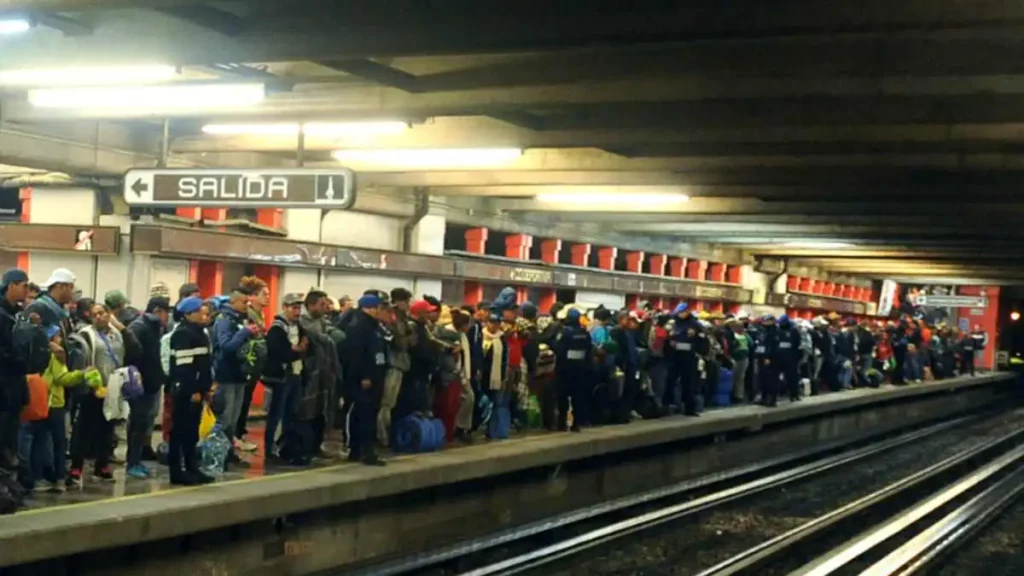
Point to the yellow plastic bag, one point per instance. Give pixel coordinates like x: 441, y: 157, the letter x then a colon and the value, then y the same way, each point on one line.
x: 206, y: 422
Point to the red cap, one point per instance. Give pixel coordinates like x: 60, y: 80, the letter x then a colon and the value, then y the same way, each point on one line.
x: 421, y: 306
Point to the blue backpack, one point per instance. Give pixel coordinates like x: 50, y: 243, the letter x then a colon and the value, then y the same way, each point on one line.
x: 29, y: 342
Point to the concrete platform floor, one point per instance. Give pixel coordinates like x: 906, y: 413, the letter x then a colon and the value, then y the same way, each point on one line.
x: 255, y: 465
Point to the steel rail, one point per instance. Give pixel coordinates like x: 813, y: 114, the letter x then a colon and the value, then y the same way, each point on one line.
x: 839, y: 558
x: 755, y: 556
x: 952, y: 531
x: 579, y: 543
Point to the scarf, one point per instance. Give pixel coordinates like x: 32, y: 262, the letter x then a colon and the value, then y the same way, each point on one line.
x: 493, y: 343
x: 465, y: 360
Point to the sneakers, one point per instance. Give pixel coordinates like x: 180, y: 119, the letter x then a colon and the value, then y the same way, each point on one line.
x: 104, y: 474
x: 56, y: 488
x: 74, y: 479
x: 244, y: 445
x: 138, y: 471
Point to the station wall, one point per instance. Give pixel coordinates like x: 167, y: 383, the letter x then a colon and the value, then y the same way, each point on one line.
x: 64, y: 206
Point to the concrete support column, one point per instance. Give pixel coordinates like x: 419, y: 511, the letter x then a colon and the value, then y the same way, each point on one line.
x: 696, y: 269
x: 716, y: 306
x: 734, y: 275
x: 518, y: 246
x: 211, y: 273
x: 549, y: 252
x: 657, y: 303
x: 476, y: 243
x: 25, y: 195
x: 806, y: 285
x: 792, y: 283
x: 828, y: 289
x: 847, y: 291
x: 635, y: 262
x: 819, y: 287
x: 656, y: 264
x: 632, y: 301
x: 716, y: 272
x: 696, y: 305
x: 677, y: 267
x: 606, y: 257
x: 580, y: 254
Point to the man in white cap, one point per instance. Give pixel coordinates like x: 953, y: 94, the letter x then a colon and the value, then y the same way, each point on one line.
x: 59, y: 290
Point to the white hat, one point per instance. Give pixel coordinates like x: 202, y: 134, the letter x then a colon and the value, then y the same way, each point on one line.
x: 60, y: 276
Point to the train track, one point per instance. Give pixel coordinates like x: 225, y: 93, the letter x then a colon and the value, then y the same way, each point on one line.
x: 551, y: 545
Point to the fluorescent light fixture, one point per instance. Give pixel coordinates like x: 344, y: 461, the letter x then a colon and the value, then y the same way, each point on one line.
x: 639, y: 200
x: 15, y: 26
x: 819, y: 245
x: 88, y: 76
x: 326, y: 129
x: 430, y: 157
x: 173, y: 96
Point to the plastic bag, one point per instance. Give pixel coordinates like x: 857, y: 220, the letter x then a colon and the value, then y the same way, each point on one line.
x: 213, y: 452
x: 206, y: 422
x: 533, y: 412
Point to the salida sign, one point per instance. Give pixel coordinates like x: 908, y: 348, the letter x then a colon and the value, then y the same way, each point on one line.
x: 294, y: 188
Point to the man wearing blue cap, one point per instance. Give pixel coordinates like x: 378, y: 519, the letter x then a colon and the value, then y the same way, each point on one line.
x: 365, y: 370
x: 686, y: 341
x: 13, y: 387
x: 191, y: 381
x: 573, y: 352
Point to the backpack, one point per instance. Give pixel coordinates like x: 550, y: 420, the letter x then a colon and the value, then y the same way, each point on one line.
x: 253, y: 357
x: 545, y: 360
x: 38, y: 407
x: 30, y: 343
x: 165, y: 353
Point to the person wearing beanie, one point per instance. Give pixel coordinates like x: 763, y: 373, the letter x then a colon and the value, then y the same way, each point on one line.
x: 13, y: 384
x: 191, y: 381
x: 148, y: 329
x: 119, y: 306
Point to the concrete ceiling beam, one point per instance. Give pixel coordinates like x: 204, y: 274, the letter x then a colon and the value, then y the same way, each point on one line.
x: 303, y: 30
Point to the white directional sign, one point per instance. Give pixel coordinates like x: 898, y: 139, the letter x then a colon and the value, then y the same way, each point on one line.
x: 943, y: 301
x: 286, y: 188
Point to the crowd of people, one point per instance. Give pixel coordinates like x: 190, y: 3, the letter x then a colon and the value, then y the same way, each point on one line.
x: 364, y: 366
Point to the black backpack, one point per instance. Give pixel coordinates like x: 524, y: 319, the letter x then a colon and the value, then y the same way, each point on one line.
x: 30, y: 344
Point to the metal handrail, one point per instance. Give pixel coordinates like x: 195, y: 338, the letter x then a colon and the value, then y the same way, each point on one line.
x: 752, y: 556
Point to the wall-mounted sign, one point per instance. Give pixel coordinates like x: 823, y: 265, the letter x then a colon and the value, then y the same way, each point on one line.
x: 944, y: 301
x: 797, y: 300
x: 59, y: 238
x: 288, y: 188
x: 529, y: 275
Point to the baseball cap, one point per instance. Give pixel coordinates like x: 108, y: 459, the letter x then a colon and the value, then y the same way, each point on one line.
x: 369, y: 301
x: 293, y: 298
x: 13, y: 276
x: 60, y: 276
x: 114, y: 298
x: 421, y: 306
x: 190, y: 305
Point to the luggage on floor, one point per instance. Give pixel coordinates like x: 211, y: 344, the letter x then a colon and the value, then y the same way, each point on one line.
x: 416, y: 434
x: 446, y: 406
x: 501, y: 418
x: 723, y: 391
x: 213, y: 453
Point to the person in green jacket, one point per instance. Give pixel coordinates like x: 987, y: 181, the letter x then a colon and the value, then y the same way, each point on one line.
x: 44, y: 442
x: 739, y: 352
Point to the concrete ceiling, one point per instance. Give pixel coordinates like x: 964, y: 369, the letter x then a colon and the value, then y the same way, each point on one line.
x: 893, y: 127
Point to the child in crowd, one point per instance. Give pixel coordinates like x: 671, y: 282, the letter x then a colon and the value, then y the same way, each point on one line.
x: 43, y: 443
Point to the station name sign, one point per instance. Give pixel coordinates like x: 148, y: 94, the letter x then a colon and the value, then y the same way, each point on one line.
x: 944, y: 301
x: 283, y: 188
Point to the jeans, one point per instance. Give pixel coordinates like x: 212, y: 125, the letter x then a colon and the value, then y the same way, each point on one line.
x: 739, y: 379
x: 141, y: 420
x: 282, y: 409
x: 231, y: 397
x: 42, y: 449
x: 388, y: 402
x: 9, y: 428
x: 92, y: 436
x: 845, y: 372
x: 243, y: 412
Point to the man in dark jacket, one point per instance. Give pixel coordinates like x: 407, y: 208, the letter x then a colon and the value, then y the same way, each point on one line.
x: 286, y: 347
x: 573, y: 355
x: 231, y: 330
x: 147, y: 329
x: 425, y: 357
x: 365, y: 369
x: 686, y: 340
x: 13, y: 388
x: 787, y: 356
x: 767, y: 355
x: 190, y: 379
x: 49, y: 307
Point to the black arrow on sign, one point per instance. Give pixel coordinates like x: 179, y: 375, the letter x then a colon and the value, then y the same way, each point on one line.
x: 139, y: 187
